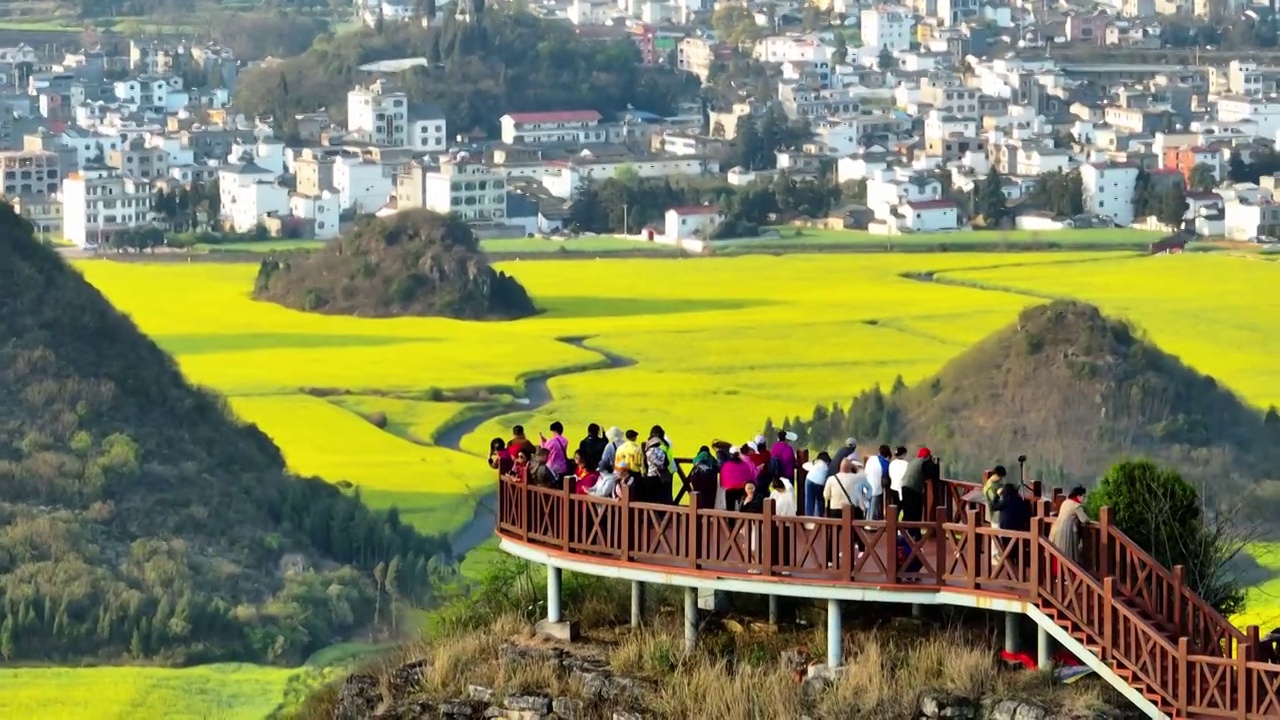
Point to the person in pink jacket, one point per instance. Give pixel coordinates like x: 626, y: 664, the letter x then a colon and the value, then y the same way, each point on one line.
x: 736, y: 472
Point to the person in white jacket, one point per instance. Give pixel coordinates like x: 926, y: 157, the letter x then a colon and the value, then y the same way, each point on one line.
x: 784, y: 497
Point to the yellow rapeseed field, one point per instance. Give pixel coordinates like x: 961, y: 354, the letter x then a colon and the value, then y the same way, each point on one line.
x: 718, y: 345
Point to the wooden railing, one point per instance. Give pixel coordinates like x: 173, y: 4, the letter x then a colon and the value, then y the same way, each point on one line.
x: 1137, y: 616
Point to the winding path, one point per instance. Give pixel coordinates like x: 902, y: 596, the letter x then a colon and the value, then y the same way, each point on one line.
x: 538, y: 392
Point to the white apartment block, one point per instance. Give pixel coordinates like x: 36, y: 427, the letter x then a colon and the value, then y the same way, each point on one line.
x: 563, y: 178
x: 1243, y: 78
x: 1244, y: 220
x: 154, y: 93
x: 364, y: 184
x: 839, y: 137
x: 247, y: 192
x: 1265, y: 112
x: 22, y: 53
x: 386, y: 117
x: 570, y: 127
x: 473, y: 190
x: 322, y: 209
x: 1108, y: 190
x: 888, y: 27
x: 792, y: 48
x: 90, y: 147
x: 99, y: 201
x: 267, y: 153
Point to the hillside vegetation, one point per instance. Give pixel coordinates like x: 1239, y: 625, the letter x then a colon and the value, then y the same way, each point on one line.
x: 412, y: 263
x: 505, y: 61
x: 1074, y: 391
x: 139, y: 520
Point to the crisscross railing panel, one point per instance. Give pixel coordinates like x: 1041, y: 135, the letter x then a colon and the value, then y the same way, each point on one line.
x: 1262, y: 682
x: 595, y: 525
x: 545, y: 514
x: 729, y: 540
x: 810, y: 547
x: 659, y: 534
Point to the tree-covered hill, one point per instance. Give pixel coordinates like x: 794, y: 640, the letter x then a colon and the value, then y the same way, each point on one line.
x: 1074, y: 391
x: 505, y: 61
x: 139, y: 519
x: 415, y: 262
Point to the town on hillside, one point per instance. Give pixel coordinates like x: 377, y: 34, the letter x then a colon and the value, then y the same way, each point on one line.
x: 721, y: 121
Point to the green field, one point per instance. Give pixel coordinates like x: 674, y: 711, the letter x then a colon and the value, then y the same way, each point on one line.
x: 719, y: 344
x: 793, y: 237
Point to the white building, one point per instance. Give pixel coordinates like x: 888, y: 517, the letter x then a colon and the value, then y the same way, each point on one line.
x: 569, y: 127
x: 363, y: 184
x: 150, y: 92
x: 1108, y: 190
x: 473, y: 190
x: 1263, y: 111
x: 838, y: 136
x: 1244, y: 220
x: 890, y: 27
x: 885, y: 194
x: 861, y: 166
x: 267, y: 154
x: 322, y: 209
x: 98, y: 201
x: 22, y: 53
x: 247, y: 192
x: 695, y: 222
x: 1244, y: 78
x: 928, y: 215
x: 792, y: 48
x: 89, y: 147
x: 379, y: 115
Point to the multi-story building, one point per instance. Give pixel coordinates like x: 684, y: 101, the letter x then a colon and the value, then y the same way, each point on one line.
x: 313, y: 170
x: 699, y: 55
x: 1244, y: 78
x: 1263, y: 111
x: 887, y: 27
x: 803, y: 100
x: 1108, y: 190
x: 473, y: 190
x: 98, y: 201
x: 954, y: 12
x: 1183, y: 159
x: 153, y: 93
x: 569, y: 127
x: 379, y: 114
x: 1244, y: 220
x: 247, y: 192
x: 30, y: 173
x: 44, y: 213
x: 139, y: 160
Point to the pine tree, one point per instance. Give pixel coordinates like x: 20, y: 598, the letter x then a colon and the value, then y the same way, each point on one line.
x: 7, y: 638
x: 1142, y: 200
x: 136, y: 648
x: 989, y: 200
x: 1173, y: 205
x: 379, y: 576
x: 393, y: 577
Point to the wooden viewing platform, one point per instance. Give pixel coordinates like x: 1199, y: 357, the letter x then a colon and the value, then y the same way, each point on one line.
x: 1132, y: 621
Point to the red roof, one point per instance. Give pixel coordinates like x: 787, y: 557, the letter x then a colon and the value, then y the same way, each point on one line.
x: 560, y: 116
x: 695, y: 210
x: 930, y: 204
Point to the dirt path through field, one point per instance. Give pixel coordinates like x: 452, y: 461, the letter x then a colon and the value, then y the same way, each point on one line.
x: 538, y: 394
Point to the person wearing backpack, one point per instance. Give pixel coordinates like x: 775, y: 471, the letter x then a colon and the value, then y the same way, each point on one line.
x: 657, y: 459
x: 877, y: 472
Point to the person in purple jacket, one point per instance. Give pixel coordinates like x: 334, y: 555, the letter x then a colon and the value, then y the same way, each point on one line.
x: 783, y: 455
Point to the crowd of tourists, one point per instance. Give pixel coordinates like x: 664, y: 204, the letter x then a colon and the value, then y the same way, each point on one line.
x: 726, y: 476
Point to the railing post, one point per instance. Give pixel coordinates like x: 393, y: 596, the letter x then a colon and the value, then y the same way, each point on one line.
x: 693, y: 530
x: 1184, y: 674
x: 971, y: 549
x: 624, y: 502
x: 849, y: 544
x: 891, y: 534
x: 1035, y: 559
x: 1104, y: 541
x: 565, y: 495
x: 524, y: 511
x: 766, y: 538
x: 940, y: 546
x: 1179, y: 581
x: 1252, y: 636
x: 1242, y: 682
x: 1108, y: 616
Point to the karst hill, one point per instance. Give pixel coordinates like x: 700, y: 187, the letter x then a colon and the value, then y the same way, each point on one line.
x: 138, y: 518
x: 1074, y: 391
x: 415, y: 262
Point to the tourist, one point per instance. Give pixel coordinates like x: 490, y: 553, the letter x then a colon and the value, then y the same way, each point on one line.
x: 877, y: 472
x: 499, y: 459
x: 519, y: 442
x: 838, y: 492
x: 752, y: 502
x: 557, y: 447
x: 815, y: 481
x: 540, y: 473
x: 591, y: 447
x: 1015, y: 513
x: 783, y: 455
x: 702, y: 478
x: 992, y: 487
x: 759, y: 456
x: 585, y: 474
x: 623, y: 478
x: 1065, y: 532
x: 850, y: 449
x: 657, y: 459
x: 609, y: 456
x: 606, y: 486
x: 897, y: 470
x: 736, y: 472
x: 629, y: 452
x: 784, y: 497
x: 912, y: 488
x: 520, y: 465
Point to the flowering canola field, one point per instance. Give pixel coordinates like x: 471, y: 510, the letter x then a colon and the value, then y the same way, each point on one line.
x: 717, y: 345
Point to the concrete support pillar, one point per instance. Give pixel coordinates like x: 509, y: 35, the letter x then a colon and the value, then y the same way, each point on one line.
x: 715, y: 601
x: 1044, y: 649
x: 690, y: 618
x: 835, y: 635
x: 553, y: 594
x: 773, y: 610
x: 637, y: 603
x: 917, y: 611
x: 1012, y: 641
